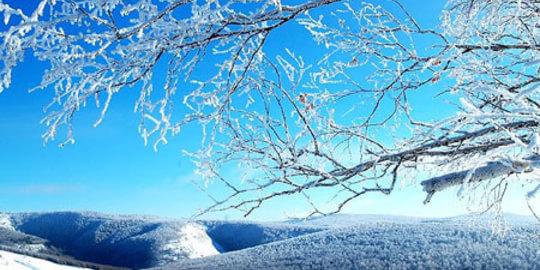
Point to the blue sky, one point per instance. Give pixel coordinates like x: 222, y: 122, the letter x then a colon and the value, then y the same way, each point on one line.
x: 109, y: 169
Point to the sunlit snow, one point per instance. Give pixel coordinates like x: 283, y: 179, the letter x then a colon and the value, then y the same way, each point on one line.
x: 13, y: 261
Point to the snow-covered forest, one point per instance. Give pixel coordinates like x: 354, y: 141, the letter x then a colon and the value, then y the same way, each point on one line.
x: 336, y: 242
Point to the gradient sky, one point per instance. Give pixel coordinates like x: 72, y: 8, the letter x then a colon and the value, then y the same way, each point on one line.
x: 109, y: 169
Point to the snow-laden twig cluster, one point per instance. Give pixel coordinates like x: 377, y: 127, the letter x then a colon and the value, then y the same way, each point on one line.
x: 342, y: 123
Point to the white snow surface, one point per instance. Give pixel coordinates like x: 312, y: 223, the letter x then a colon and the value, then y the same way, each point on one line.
x: 13, y: 261
x: 192, y: 242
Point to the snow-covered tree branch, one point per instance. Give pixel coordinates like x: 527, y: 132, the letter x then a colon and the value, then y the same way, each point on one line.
x: 343, y: 122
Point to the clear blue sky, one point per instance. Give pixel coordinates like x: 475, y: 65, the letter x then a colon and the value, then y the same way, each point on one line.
x: 109, y: 169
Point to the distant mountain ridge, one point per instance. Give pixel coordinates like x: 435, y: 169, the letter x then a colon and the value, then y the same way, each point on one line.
x: 147, y: 241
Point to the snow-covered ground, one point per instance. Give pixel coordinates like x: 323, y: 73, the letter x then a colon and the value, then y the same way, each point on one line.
x: 13, y: 261
x: 335, y: 242
x: 193, y: 241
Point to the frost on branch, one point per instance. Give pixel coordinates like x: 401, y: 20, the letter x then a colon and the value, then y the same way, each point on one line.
x: 97, y: 48
x: 292, y: 125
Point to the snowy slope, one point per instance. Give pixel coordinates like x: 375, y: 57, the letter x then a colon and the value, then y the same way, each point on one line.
x: 5, y: 222
x: 13, y: 261
x: 192, y: 242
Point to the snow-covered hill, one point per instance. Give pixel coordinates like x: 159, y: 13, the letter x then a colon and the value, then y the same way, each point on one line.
x: 335, y: 242
x: 388, y: 246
